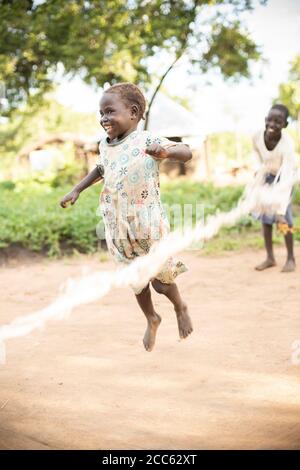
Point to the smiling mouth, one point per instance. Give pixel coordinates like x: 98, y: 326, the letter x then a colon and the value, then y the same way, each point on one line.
x: 108, y: 128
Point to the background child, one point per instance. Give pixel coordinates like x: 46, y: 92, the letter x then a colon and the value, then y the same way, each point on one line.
x: 275, y: 152
x: 132, y: 211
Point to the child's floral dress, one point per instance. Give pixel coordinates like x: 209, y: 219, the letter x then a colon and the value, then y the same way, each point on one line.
x: 133, y: 215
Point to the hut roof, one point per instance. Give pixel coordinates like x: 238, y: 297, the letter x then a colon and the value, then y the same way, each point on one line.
x: 170, y: 119
x: 86, y: 142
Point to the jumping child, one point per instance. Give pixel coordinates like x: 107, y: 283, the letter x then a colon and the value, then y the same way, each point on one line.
x: 275, y: 152
x: 129, y: 166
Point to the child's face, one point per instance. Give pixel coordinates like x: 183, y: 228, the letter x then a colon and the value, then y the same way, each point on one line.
x: 117, y: 118
x: 275, y: 122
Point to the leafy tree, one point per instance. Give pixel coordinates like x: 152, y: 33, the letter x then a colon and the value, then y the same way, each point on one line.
x: 111, y: 40
x: 289, y: 92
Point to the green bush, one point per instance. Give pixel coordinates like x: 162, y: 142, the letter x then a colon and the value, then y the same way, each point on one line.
x: 33, y: 219
x: 70, y: 174
x: 8, y: 185
x: 30, y: 216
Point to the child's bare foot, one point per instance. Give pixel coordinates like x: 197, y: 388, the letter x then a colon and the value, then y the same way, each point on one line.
x: 150, y: 334
x: 289, y: 266
x: 184, y: 322
x: 269, y: 263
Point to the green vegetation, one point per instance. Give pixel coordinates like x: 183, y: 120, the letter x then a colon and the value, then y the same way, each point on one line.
x: 232, y: 148
x: 31, y: 124
x: 112, y: 41
x: 289, y: 94
x: 30, y: 217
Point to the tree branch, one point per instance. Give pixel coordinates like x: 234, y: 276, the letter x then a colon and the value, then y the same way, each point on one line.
x: 159, y: 85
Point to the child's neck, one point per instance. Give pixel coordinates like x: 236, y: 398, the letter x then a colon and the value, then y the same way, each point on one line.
x: 271, y: 142
x: 125, y: 134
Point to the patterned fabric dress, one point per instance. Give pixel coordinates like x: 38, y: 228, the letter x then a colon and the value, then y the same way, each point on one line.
x: 133, y: 215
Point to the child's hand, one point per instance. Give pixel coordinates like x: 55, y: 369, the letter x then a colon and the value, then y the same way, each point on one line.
x: 70, y: 197
x: 157, y: 151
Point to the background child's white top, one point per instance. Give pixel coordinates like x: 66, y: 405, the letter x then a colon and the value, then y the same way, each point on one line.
x: 272, y: 160
x: 280, y: 162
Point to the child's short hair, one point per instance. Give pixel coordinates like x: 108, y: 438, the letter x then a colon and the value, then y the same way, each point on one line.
x: 283, y: 109
x: 131, y: 94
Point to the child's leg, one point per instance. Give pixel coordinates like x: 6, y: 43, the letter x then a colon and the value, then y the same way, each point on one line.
x: 145, y: 302
x: 290, y: 264
x: 270, y: 261
x: 172, y: 293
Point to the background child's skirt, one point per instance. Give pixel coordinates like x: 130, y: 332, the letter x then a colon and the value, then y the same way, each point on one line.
x: 269, y: 219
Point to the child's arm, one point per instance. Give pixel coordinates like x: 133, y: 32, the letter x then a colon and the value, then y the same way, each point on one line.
x: 287, y: 173
x: 91, y: 178
x: 176, y: 152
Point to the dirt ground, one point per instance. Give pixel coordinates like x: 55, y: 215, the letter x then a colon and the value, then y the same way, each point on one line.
x: 86, y: 382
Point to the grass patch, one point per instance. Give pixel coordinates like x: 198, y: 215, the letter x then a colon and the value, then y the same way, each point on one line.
x: 30, y: 217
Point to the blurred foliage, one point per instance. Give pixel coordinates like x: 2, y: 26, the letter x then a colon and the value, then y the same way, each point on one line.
x: 229, y: 50
x: 30, y: 216
x: 69, y: 174
x: 289, y: 92
x: 111, y: 40
x: 236, y: 147
x: 7, y: 185
x: 30, y: 124
x: 289, y: 95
